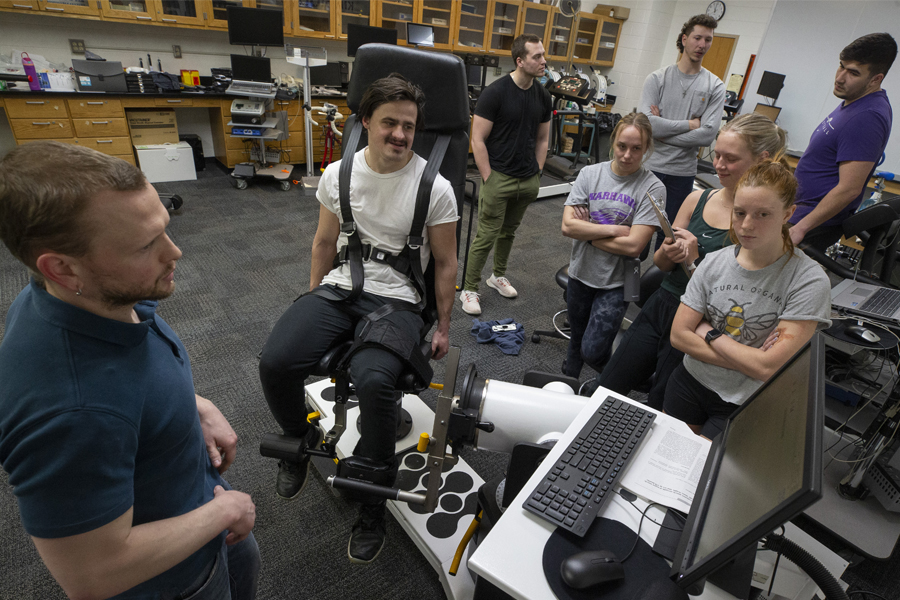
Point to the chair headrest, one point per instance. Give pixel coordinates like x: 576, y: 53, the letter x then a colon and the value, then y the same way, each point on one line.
x: 442, y: 78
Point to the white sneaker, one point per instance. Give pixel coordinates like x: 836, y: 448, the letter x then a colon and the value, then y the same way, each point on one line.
x: 502, y: 285
x: 470, y: 303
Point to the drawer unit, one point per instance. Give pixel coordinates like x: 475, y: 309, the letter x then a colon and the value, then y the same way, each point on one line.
x: 101, y: 127
x: 173, y: 101
x: 129, y: 158
x: 45, y: 129
x: 109, y: 145
x: 71, y: 140
x: 85, y: 108
x: 28, y: 108
x: 235, y: 156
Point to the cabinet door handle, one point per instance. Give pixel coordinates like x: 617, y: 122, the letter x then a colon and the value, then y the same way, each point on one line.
x: 174, y: 101
x: 42, y: 123
x: 104, y: 141
x: 170, y: 20
x: 95, y: 103
x: 34, y: 102
x: 139, y: 18
x: 54, y: 9
x: 28, y: 6
x: 99, y: 122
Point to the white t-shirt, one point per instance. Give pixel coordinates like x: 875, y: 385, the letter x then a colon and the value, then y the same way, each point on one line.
x: 383, y: 206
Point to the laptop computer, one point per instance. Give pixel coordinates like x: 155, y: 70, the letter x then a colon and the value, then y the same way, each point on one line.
x: 877, y: 302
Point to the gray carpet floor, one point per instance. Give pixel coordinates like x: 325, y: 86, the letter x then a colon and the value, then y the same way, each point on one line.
x: 246, y: 257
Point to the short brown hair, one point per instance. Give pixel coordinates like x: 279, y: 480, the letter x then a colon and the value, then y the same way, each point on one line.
x: 877, y: 50
x: 701, y: 20
x: 393, y: 88
x: 45, y: 187
x: 518, y: 49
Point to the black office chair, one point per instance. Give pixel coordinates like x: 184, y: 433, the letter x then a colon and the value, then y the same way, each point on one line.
x: 732, y: 105
x: 878, y: 227
x: 651, y: 279
x: 442, y: 78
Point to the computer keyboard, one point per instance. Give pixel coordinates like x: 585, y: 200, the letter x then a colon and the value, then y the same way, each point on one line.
x: 884, y: 302
x: 581, y: 482
x: 250, y: 87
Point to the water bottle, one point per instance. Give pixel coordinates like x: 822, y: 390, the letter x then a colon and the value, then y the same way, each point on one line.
x: 33, y: 82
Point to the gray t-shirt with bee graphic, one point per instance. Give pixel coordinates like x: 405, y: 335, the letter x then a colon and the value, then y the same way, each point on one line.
x: 747, y: 305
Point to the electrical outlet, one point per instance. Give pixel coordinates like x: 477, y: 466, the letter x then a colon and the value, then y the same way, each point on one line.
x: 498, y: 71
x: 176, y: 50
x: 77, y: 46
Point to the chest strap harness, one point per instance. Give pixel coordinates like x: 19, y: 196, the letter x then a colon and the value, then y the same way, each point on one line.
x: 407, y: 262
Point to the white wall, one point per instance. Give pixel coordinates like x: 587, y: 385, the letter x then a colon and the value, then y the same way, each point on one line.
x: 808, y: 57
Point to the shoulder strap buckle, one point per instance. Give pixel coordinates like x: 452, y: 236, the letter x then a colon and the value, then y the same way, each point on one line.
x: 415, y: 241
x: 348, y: 227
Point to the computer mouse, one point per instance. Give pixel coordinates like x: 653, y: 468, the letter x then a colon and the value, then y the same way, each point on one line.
x: 861, y: 333
x: 589, y: 568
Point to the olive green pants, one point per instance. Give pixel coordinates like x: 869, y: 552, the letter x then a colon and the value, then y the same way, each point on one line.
x: 501, y: 207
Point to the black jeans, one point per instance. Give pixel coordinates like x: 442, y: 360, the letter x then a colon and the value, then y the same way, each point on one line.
x: 690, y: 401
x: 594, y: 319
x: 646, y: 349
x: 308, y: 328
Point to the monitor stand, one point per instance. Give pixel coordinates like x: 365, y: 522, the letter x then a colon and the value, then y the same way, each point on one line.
x: 736, y: 576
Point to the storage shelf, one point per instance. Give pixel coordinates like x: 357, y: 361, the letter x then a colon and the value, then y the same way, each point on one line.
x: 443, y: 10
x: 313, y: 10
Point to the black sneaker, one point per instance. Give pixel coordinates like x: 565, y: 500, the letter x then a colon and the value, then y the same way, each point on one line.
x: 367, y: 536
x: 292, y: 476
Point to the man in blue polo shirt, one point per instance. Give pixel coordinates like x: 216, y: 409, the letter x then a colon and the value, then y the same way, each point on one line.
x: 115, y: 462
x: 846, y: 146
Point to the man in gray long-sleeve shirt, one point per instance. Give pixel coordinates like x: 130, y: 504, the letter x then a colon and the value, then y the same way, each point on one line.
x: 684, y: 103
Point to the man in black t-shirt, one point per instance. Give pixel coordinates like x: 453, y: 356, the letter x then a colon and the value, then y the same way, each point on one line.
x: 510, y: 133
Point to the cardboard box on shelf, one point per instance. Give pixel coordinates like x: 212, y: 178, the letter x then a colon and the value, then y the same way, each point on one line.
x: 616, y: 12
x: 152, y: 126
x: 166, y: 162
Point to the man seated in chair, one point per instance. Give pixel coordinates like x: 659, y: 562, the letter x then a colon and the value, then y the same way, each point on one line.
x: 383, y: 187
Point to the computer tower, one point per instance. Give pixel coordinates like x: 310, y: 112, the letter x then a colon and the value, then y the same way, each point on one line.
x: 196, y: 145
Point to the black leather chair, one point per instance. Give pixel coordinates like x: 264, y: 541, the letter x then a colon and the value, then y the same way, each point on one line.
x: 878, y: 227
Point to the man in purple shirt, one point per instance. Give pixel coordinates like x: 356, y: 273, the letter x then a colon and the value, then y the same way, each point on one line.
x: 846, y: 146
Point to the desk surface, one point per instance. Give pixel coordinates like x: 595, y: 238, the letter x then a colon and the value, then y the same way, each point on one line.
x: 510, y: 556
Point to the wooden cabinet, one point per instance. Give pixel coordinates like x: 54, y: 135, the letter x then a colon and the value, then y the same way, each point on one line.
x: 395, y: 14
x: 559, y: 37
x: 71, y: 7
x: 313, y: 18
x: 358, y: 12
x: 216, y: 11
x: 20, y: 4
x: 505, y: 16
x: 535, y: 20
x: 587, y: 27
x: 180, y: 12
x: 471, y: 25
x: 128, y: 10
x: 439, y: 14
x: 608, y: 42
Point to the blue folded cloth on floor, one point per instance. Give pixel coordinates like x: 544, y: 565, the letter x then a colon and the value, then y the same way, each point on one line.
x: 509, y: 342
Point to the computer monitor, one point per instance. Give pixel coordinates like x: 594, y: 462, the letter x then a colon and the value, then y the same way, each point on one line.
x: 419, y: 35
x: 768, y: 111
x: 328, y: 75
x: 770, y: 85
x: 251, y: 68
x: 357, y: 35
x: 255, y: 26
x: 761, y: 471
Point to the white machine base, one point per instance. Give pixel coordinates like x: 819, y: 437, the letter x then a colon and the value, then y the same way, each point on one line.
x: 436, y: 535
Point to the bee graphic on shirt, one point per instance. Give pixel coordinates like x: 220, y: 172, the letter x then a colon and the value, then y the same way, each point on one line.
x: 738, y: 325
